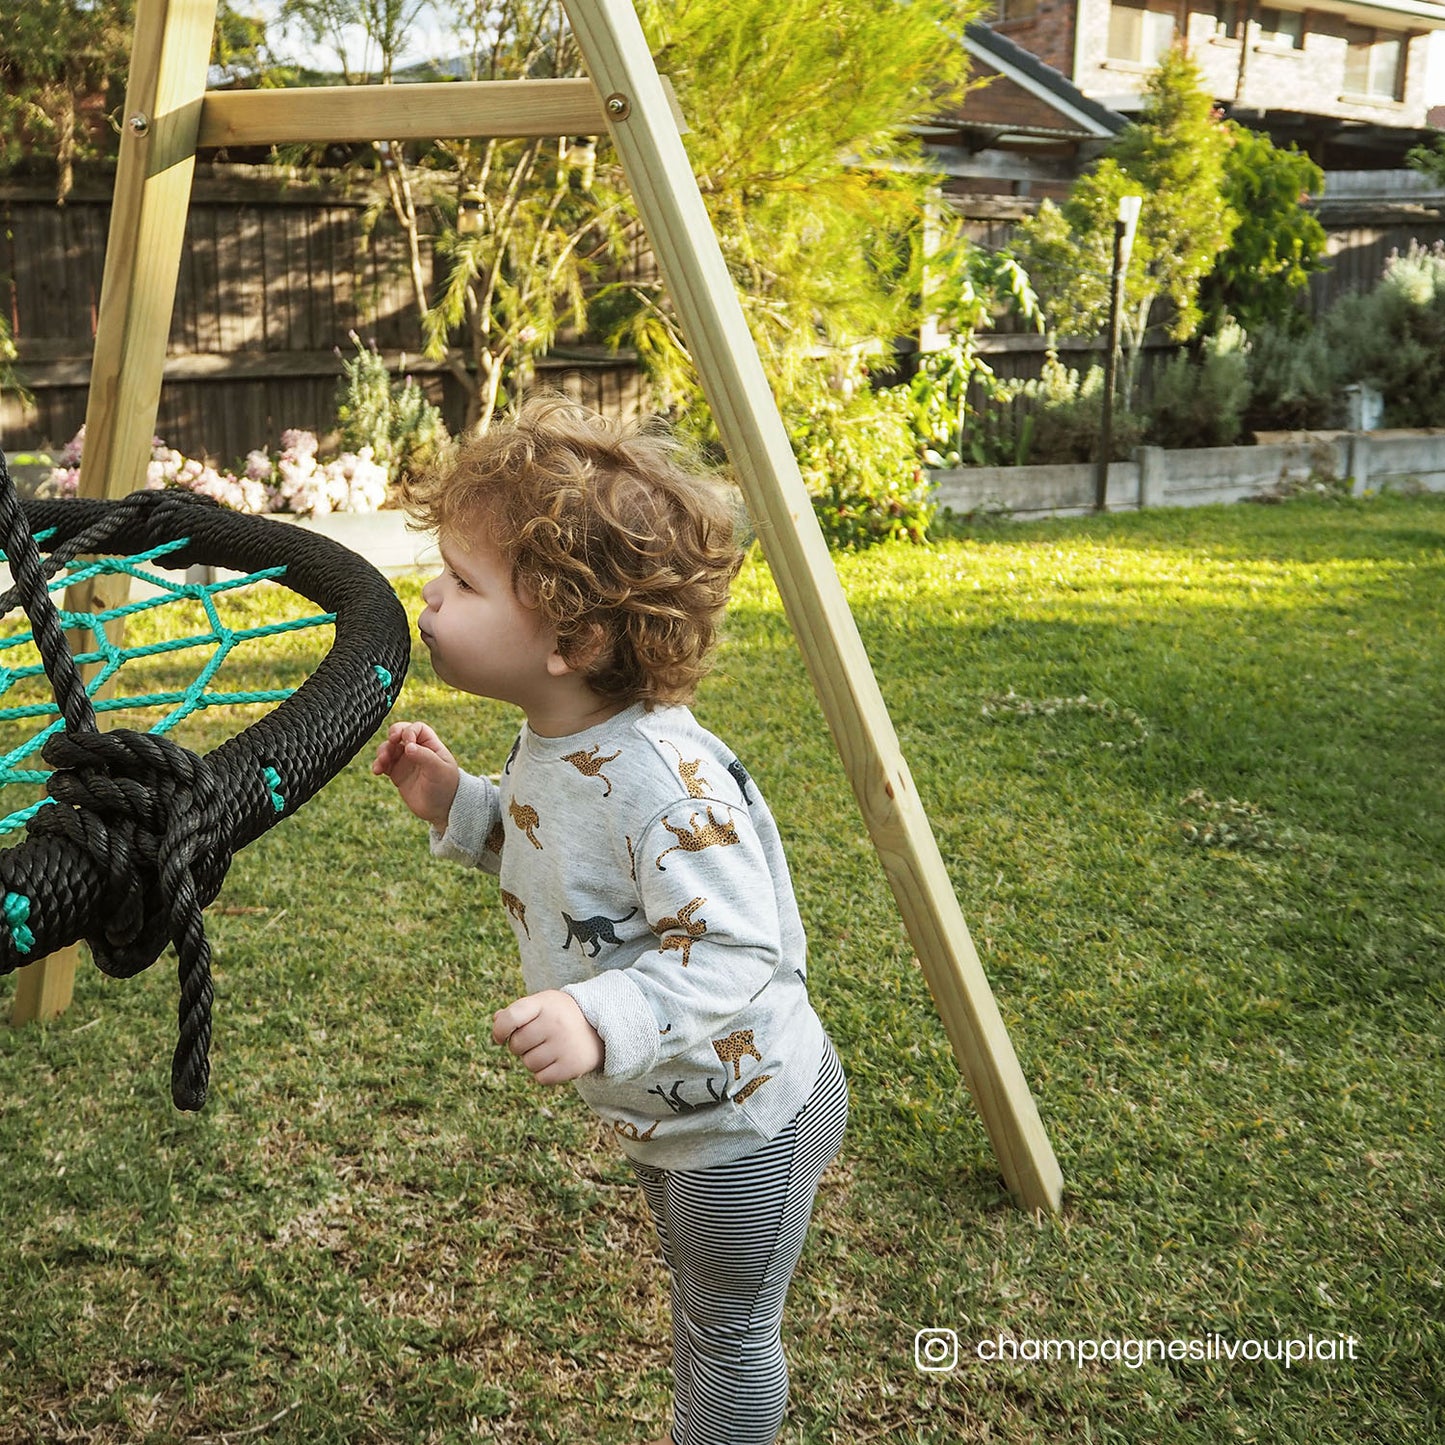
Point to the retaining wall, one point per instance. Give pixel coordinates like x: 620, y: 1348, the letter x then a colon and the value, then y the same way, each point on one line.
x: 1198, y: 476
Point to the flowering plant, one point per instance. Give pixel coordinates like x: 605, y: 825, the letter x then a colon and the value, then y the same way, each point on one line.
x: 294, y: 481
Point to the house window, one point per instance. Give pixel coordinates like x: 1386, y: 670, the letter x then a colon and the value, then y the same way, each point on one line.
x: 1139, y: 33
x: 1373, y: 62
x: 1281, y: 27
x: 1271, y: 26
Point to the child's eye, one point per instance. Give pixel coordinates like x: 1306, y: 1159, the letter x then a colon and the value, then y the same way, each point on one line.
x: 461, y: 582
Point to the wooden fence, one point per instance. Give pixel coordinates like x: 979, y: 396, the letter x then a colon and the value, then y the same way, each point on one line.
x: 275, y: 276
x: 277, y: 272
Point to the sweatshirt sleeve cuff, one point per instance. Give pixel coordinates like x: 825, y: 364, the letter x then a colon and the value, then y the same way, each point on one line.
x: 614, y: 1005
x: 473, y: 812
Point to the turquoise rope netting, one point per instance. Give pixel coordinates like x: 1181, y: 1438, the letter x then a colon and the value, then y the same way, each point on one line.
x: 111, y: 658
x: 136, y: 832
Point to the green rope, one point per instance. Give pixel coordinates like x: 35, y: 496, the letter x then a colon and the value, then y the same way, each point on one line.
x: 110, y: 657
x: 17, y: 915
x: 273, y: 784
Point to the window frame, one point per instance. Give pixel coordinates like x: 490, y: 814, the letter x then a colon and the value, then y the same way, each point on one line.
x: 1142, y: 56
x: 1371, y: 48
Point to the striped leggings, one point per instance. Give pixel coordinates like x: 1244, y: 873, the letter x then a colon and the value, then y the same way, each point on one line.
x: 731, y: 1237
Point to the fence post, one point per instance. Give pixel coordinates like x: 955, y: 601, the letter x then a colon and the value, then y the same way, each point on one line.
x: 1357, y: 462
x: 1153, y: 475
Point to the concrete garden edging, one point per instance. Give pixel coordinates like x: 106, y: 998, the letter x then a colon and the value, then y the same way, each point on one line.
x: 1155, y: 477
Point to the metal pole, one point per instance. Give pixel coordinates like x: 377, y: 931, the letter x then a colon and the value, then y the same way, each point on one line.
x: 1124, y: 224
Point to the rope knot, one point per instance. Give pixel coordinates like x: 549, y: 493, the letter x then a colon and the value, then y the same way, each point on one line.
x: 154, y: 817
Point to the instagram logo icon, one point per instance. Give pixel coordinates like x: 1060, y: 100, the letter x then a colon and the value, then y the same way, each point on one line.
x: 935, y: 1350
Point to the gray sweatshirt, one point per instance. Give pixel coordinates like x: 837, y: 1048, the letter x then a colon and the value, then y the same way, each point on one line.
x: 644, y: 876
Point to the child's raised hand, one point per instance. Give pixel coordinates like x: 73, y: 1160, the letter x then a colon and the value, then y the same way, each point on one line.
x: 425, y: 773
x: 551, y: 1035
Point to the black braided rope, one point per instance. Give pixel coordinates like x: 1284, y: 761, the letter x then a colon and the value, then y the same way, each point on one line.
x: 141, y: 831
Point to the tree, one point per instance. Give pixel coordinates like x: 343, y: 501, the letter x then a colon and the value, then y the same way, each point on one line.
x: 529, y: 222
x: 517, y: 224
x: 800, y: 113
x: 62, y: 69
x: 1174, y: 157
x: 1277, y: 245
x: 1429, y: 159
x: 367, y: 38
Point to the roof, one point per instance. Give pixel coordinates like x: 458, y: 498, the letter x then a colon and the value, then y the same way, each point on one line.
x: 1051, y: 86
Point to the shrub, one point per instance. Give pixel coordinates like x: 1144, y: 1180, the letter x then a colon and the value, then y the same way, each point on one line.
x: 295, y: 481
x: 859, y: 458
x: 404, y: 430
x: 1393, y: 337
x: 1200, y: 401
x: 1291, y: 381
x: 1056, y: 417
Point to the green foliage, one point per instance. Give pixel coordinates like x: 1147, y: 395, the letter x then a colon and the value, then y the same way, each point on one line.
x: 1428, y: 159
x: 974, y: 284
x: 8, y: 356
x: 528, y: 224
x: 1199, y: 401
x: 365, y: 36
x: 63, y: 66
x: 1393, y: 337
x: 242, y: 51
x: 1068, y: 268
x: 806, y: 160
x: 1174, y: 158
x: 57, y: 59
x: 805, y: 157
x: 1291, y: 380
x: 1056, y: 417
x: 1259, y: 276
x: 859, y: 458
x: 812, y: 181
x: 404, y: 430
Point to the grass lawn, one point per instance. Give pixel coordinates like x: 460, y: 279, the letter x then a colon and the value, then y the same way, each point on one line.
x: 1187, y: 771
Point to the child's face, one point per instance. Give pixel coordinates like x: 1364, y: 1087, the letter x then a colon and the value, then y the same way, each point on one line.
x: 482, y: 637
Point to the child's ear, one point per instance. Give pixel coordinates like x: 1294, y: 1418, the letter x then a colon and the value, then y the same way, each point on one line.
x: 579, y: 652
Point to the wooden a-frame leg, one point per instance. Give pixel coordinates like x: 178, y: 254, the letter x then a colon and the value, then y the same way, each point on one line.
x: 692, y: 264
x: 169, y: 59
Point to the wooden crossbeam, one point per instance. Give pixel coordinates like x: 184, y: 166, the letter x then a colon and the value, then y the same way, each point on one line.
x: 320, y: 114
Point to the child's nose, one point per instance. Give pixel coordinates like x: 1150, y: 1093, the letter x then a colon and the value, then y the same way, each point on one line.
x: 428, y: 593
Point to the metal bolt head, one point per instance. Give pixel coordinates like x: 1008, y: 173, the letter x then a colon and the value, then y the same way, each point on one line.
x: 618, y: 106
x: 139, y: 124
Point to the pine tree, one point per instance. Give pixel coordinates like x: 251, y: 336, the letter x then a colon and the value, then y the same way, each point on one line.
x: 1174, y: 158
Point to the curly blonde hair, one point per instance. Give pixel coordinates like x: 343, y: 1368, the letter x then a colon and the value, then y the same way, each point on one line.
x: 619, y: 540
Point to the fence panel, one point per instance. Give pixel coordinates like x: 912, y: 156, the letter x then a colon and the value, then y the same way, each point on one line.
x: 274, y: 276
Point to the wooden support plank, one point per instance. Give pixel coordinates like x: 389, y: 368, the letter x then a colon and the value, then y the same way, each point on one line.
x: 401, y: 112
x: 169, y: 59
x: 147, y: 229
x: 679, y: 228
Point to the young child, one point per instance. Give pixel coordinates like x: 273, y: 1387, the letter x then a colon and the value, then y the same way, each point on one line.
x: 584, y: 574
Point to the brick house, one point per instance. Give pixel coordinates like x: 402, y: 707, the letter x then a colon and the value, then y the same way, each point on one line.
x: 1023, y: 132
x: 1352, y: 82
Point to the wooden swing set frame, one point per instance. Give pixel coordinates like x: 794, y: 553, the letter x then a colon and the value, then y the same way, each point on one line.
x: 169, y: 114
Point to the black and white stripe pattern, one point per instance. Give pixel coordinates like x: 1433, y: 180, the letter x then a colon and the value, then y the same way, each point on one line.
x: 731, y: 1236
